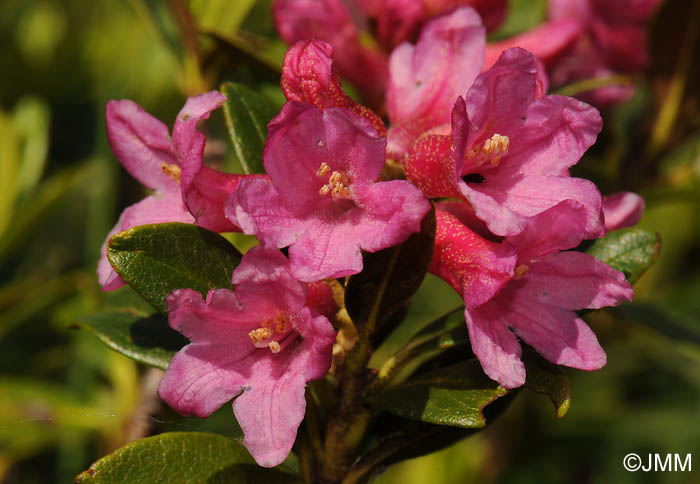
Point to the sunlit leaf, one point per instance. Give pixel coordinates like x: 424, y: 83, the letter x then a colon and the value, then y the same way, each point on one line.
x: 156, y: 259
x: 630, y: 251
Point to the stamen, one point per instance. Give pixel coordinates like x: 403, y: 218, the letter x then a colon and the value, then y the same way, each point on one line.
x: 274, y: 346
x: 521, y: 270
x: 281, y: 323
x: 338, y: 185
x: 323, y: 169
x: 492, y: 150
x: 260, y: 334
x: 172, y: 171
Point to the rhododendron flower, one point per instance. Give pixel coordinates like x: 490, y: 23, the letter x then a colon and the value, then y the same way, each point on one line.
x: 330, y: 20
x: 537, y: 303
x: 322, y: 199
x: 184, y: 189
x: 622, y: 209
x: 425, y: 79
x: 509, y: 152
x: 261, y: 343
x: 613, y: 40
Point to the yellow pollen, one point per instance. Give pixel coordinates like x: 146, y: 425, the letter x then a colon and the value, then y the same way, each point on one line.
x: 172, y: 171
x: 260, y: 334
x: 492, y: 150
x: 338, y: 183
x: 274, y: 346
x: 521, y: 270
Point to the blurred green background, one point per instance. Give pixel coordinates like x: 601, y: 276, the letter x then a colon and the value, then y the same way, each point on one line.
x: 66, y: 400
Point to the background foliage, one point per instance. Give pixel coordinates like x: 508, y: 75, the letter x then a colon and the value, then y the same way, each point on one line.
x: 66, y: 399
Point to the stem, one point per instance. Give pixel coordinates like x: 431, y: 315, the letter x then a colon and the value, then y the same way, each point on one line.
x: 194, y: 83
x: 347, y: 427
x: 594, y: 83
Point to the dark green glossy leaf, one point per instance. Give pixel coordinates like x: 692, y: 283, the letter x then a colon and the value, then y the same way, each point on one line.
x: 390, y: 276
x: 455, y: 395
x: 548, y: 379
x: 194, y: 457
x: 631, y: 251
x: 247, y: 114
x: 145, y: 338
x: 156, y: 259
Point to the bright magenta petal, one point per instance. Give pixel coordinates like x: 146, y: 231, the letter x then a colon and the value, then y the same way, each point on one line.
x: 557, y: 334
x: 475, y: 267
x: 150, y: 210
x: 574, y: 280
x: 495, y: 345
x: 557, y: 132
x: 622, y: 209
x: 141, y: 143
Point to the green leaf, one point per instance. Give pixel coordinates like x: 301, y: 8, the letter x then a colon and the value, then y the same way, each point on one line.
x: 146, y: 339
x: 156, y: 259
x: 631, y: 251
x: 247, y: 114
x: 183, y: 457
x: 549, y: 379
x: 455, y: 396
x: 221, y: 16
x: 391, y: 276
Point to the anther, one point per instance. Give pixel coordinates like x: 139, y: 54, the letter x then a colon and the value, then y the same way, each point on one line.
x: 521, y: 270
x: 172, y: 171
x: 260, y: 334
x: 323, y: 169
x: 274, y: 346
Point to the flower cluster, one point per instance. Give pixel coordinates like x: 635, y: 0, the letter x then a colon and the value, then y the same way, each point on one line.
x: 489, y: 147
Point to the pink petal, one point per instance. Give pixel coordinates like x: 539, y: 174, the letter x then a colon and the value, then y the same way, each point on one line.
x: 557, y: 132
x: 557, y: 334
x: 548, y: 41
x: 497, y: 102
x: 202, y: 377
x: 141, y: 143
x: 329, y: 20
x: 475, y: 267
x: 400, y: 21
x: 531, y: 195
x: 393, y: 211
x: 558, y: 228
x: 308, y: 75
x: 425, y: 80
x: 622, y: 209
x: 320, y: 298
x: 258, y: 209
x: 579, y: 10
x: 490, y: 208
x: 150, y: 210
x: 494, y: 345
x: 574, y: 280
x: 264, y: 279
x: 430, y: 165
x: 301, y: 138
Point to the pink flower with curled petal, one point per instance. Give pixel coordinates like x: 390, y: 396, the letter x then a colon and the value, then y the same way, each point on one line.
x: 331, y: 21
x: 537, y: 303
x: 510, y: 150
x: 184, y: 189
x: 425, y: 79
x: 261, y: 343
x: 322, y: 198
x: 309, y: 76
x: 622, y: 209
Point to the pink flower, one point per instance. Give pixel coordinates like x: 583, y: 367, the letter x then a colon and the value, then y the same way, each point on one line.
x: 309, y: 76
x: 510, y: 149
x: 613, y: 40
x: 184, y: 189
x: 622, y: 209
x: 322, y: 199
x: 425, y: 79
x: 537, y: 303
x: 330, y: 20
x: 261, y: 344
